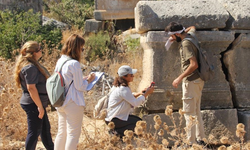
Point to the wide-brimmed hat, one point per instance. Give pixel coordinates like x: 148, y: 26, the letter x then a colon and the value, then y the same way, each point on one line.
x: 125, y: 69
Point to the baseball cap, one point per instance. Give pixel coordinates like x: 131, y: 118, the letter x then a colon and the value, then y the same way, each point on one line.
x: 125, y: 69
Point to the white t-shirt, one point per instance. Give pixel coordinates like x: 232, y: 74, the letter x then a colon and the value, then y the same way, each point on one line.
x: 124, y: 108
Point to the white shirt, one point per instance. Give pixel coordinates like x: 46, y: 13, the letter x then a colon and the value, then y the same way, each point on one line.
x: 71, y: 70
x: 124, y: 108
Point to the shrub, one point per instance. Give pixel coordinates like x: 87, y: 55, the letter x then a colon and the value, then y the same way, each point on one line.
x: 18, y: 26
x: 132, y: 44
x: 97, y: 45
x: 73, y: 12
x: 51, y: 35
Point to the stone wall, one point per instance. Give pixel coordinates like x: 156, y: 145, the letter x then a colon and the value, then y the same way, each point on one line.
x: 218, y: 123
x: 114, y: 9
x: 36, y: 5
x: 204, y: 14
x: 223, y: 30
x: 121, y: 12
x: 163, y: 67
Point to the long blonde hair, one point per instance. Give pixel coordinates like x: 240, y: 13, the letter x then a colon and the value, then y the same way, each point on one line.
x: 25, y: 58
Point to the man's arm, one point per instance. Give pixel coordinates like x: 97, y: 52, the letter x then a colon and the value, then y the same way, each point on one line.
x: 191, y: 68
x: 191, y: 28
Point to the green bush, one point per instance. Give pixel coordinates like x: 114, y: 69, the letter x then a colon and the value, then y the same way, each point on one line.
x: 73, y: 12
x: 18, y: 26
x: 132, y: 44
x: 51, y: 35
x: 97, y: 45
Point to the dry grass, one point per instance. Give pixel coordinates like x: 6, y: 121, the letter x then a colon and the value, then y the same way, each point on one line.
x: 13, y: 125
x: 94, y: 136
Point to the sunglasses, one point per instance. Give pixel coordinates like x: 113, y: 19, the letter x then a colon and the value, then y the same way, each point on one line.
x: 40, y: 49
x: 131, y: 75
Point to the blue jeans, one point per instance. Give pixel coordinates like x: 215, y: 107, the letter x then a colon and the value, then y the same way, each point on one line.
x: 36, y: 127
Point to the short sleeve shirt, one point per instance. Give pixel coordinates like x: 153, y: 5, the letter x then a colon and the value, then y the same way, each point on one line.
x: 31, y: 75
x: 187, y: 51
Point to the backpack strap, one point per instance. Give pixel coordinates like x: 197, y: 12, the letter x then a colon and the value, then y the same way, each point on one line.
x: 69, y: 87
x: 197, y: 45
x: 60, y: 68
x: 194, y: 40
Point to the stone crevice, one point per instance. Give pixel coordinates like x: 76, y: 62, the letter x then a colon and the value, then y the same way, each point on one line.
x: 226, y: 71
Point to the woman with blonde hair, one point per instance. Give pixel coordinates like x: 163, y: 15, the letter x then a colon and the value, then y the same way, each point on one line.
x: 70, y: 114
x: 31, y: 76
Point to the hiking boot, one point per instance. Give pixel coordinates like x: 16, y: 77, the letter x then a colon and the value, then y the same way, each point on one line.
x: 201, y: 142
x: 184, y: 146
x: 112, y: 132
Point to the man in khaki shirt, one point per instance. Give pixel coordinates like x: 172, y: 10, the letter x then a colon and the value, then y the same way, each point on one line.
x: 192, y: 85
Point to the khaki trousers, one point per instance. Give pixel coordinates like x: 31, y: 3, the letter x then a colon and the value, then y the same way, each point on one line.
x: 69, y: 126
x: 192, y: 91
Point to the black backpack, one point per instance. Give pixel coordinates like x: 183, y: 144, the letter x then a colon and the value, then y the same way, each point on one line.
x: 206, y: 68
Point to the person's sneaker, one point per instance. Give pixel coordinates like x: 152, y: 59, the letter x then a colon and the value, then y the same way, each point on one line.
x: 201, y: 142
x: 112, y: 132
x: 183, y: 146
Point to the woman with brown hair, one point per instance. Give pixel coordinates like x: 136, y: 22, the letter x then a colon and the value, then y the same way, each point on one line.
x: 122, y: 101
x: 31, y: 76
x: 70, y: 114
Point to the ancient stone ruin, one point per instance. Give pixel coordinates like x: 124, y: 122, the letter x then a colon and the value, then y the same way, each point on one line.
x: 36, y: 5
x: 119, y: 11
x: 223, y: 28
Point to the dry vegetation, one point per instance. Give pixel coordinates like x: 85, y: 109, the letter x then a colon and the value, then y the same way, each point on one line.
x: 94, y: 134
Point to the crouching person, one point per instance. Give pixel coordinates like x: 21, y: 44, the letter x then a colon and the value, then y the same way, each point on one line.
x: 122, y: 101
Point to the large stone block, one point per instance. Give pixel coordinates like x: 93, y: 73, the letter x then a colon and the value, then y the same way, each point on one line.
x: 114, y: 9
x: 244, y: 117
x: 177, y: 119
x: 93, y: 26
x: 220, y: 123
x: 155, y: 15
x: 217, y: 123
x: 236, y: 60
x: 163, y: 67
x: 239, y: 11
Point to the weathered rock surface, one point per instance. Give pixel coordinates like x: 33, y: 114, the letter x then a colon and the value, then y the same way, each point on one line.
x: 155, y: 15
x: 115, y: 9
x: 220, y: 123
x: 217, y: 123
x: 58, y: 24
x: 177, y: 119
x: 92, y: 25
x: 163, y: 67
x: 25, y: 5
x: 236, y: 61
x: 240, y: 13
x: 244, y: 117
